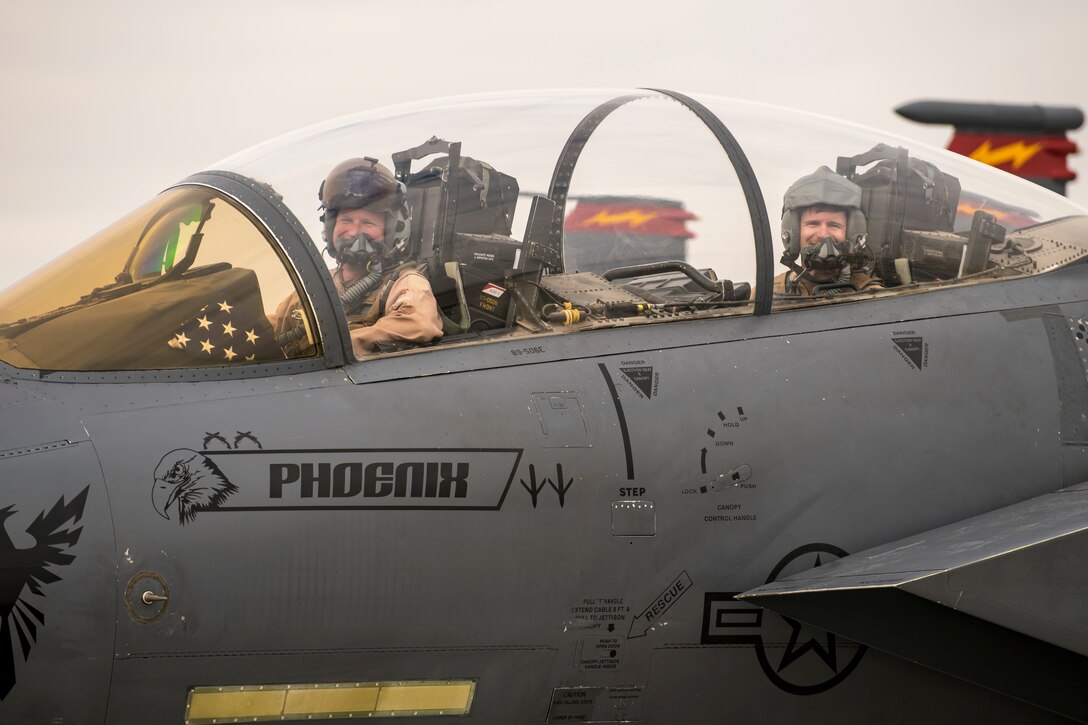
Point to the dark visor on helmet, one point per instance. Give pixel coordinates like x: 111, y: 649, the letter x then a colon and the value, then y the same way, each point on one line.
x: 365, y: 184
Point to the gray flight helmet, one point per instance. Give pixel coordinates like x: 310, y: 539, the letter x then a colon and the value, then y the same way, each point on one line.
x: 825, y: 188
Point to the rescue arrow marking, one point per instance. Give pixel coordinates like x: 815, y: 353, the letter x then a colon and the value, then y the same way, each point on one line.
x: 661, y: 604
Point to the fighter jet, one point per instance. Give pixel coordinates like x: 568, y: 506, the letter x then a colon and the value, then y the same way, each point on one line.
x: 666, y: 488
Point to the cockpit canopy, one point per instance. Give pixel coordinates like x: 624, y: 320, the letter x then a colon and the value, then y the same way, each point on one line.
x: 524, y: 207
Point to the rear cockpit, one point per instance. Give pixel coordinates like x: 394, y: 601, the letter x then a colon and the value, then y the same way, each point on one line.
x: 532, y: 214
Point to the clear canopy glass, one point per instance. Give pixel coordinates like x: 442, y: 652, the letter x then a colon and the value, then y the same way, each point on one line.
x: 548, y: 187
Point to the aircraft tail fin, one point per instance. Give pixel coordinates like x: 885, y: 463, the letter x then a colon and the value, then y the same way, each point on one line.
x: 1025, y: 140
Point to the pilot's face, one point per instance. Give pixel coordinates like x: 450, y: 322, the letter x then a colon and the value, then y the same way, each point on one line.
x: 351, y: 223
x: 815, y: 225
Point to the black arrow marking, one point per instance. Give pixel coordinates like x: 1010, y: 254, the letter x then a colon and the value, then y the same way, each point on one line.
x: 562, y: 488
x: 532, y: 487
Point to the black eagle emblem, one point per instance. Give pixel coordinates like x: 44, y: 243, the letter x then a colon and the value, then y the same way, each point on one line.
x: 188, y: 482
x: 29, y: 569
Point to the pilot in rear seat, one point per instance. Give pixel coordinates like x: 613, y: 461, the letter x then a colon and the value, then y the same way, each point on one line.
x: 367, y: 225
x: 822, y: 223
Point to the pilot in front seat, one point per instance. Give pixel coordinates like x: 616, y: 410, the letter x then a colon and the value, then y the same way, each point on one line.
x: 822, y: 223
x: 367, y: 224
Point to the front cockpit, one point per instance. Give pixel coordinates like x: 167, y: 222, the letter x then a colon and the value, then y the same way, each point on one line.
x: 532, y: 214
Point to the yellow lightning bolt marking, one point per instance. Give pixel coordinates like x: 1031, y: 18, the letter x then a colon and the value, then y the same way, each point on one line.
x: 632, y: 218
x: 1017, y: 153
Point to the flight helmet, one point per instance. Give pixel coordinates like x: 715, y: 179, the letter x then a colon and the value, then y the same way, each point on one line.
x: 366, y: 184
x: 825, y: 188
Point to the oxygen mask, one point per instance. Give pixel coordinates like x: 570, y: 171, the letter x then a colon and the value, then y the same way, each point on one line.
x: 359, y: 250
x: 825, y: 256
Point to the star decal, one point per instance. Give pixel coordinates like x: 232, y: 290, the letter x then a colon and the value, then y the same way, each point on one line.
x: 178, y: 341
x: 218, y: 335
x: 826, y: 652
x: 793, y: 653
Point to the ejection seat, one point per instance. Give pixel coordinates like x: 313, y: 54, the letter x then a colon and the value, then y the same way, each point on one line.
x: 912, y: 210
x: 462, y: 212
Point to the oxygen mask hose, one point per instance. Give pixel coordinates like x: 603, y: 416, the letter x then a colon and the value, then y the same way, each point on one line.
x: 295, y: 334
x: 358, y: 291
x: 349, y: 298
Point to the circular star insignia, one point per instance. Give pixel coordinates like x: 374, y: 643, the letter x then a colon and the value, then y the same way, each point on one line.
x: 812, y: 660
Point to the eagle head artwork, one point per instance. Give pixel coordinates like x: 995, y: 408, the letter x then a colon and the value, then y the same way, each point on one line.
x: 189, y: 481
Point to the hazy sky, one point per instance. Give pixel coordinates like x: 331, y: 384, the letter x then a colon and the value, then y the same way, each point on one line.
x: 106, y: 103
